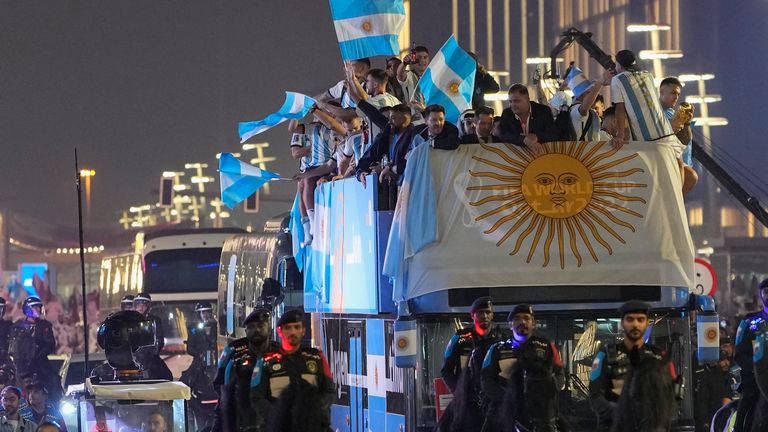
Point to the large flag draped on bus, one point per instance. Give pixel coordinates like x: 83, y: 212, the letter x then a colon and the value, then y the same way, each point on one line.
x: 368, y: 28
x: 450, y: 80
x: 296, y: 106
x: 239, y: 180
x: 581, y: 214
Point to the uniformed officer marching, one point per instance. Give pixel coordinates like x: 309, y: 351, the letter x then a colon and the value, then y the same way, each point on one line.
x: 612, y: 364
x: 464, y: 355
x: 292, y: 379
x: 751, y: 325
x: 521, y: 378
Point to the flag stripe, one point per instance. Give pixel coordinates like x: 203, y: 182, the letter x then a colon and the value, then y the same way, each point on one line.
x: 367, y: 26
x: 239, y: 180
x: 345, y: 9
x: 369, y: 47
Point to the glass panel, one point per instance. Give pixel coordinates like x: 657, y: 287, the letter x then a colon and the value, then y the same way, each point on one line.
x: 155, y: 416
x: 182, y: 270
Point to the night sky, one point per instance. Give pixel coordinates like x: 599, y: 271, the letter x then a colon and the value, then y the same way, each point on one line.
x: 144, y: 86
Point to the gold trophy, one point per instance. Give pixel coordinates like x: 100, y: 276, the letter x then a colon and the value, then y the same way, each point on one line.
x: 682, y: 116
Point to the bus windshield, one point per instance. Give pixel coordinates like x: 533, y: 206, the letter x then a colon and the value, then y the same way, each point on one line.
x: 181, y: 270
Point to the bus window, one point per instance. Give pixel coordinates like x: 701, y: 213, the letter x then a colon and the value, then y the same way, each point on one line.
x: 182, y: 270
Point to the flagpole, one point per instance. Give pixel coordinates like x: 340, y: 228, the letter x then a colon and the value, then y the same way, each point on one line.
x: 82, y: 267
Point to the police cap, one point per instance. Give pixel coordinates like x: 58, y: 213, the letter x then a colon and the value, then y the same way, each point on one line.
x: 127, y: 299
x: 290, y: 317
x: 521, y: 308
x: 259, y: 314
x: 634, y: 306
x: 481, y: 303
x: 143, y: 297
x: 203, y: 306
x: 33, y: 301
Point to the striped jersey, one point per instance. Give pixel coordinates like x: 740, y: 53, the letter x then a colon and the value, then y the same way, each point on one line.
x: 354, y: 146
x: 636, y: 90
x: 302, y: 140
x: 323, y: 142
x: 340, y: 93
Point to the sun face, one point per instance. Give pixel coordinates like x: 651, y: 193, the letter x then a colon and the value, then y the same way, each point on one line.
x: 571, y: 194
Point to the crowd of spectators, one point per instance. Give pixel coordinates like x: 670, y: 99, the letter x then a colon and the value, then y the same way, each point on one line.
x: 370, y: 120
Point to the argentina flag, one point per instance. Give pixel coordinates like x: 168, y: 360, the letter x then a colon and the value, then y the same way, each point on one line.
x: 297, y: 233
x: 450, y: 80
x: 367, y: 28
x: 296, y: 106
x: 239, y: 180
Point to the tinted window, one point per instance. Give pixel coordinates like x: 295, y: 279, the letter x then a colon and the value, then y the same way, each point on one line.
x: 182, y: 270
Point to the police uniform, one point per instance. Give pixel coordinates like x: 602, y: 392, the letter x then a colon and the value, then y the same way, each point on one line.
x: 149, y: 357
x: 201, y: 345
x: 611, y: 367
x: 529, y: 375
x: 6, y: 364
x: 31, y: 343
x: 461, y: 346
x: 283, y: 383
x: 238, y: 361
x: 749, y: 327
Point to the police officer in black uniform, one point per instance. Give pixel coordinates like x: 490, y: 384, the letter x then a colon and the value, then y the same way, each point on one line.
x: 521, y: 378
x: 461, y: 369
x: 743, y: 355
x: 292, y: 379
x: 201, y: 345
x: 126, y: 303
x: 32, y: 341
x: 240, y: 357
x: 149, y: 357
x: 612, y: 364
x: 5, y: 336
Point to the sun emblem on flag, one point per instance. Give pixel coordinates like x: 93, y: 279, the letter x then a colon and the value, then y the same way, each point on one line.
x: 711, y: 335
x: 453, y: 87
x: 572, y: 194
x: 367, y: 26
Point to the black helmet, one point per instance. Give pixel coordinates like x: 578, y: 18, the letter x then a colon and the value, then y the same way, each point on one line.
x: 126, y: 303
x: 203, y: 306
x: 143, y: 297
x: 29, y: 303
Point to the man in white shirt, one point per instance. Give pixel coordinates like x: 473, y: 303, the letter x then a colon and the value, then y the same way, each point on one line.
x: 340, y: 91
x: 418, y: 60
x: 585, y: 122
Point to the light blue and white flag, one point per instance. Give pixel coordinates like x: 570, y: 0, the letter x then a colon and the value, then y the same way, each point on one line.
x: 297, y: 234
x: 367, y: 28
x: 450, y: 80
x: 240, y: 180
x: 296, y: 106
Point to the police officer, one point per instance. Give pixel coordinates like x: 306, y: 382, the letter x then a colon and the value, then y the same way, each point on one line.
x: 32, y: 341
x: 5, y: 334
x: 201, y: 345
x: 149, y: 357
x: 748, y: 327
x: 239, y: 358
x: 612, y: 364
x: 126, y: 303
x: 292, y: 379
x: 464, y: 355
x: 521, y: 378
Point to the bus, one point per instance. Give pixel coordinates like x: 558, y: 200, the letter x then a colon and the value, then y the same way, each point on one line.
x: 387, y: 290
x: 246, y: 262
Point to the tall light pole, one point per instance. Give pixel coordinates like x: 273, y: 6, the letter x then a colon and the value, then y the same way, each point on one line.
x: 87, y: 174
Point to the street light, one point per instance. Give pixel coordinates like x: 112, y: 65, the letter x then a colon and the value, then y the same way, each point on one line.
x: 695, y: 77
x: 695, y: 99
x: 660, y: 54
x: 87, y: 174
x: 541, y: 60
x: 637, y: 28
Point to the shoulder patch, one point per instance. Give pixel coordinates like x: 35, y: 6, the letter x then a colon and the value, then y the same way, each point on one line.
x: 740, y: 331
x: 489, y: 355
x: 451, y: 346
x: 597, y: 366
x: 758, y: 348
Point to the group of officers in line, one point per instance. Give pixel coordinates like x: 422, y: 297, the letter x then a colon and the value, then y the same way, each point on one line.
x: 513, y: 384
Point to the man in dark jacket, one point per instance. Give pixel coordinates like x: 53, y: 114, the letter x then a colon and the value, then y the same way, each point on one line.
x: 439, y: 134
x: 484, y: 84
x: 483, y: 128
x: 525, y: 123
x: 391, y: 145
